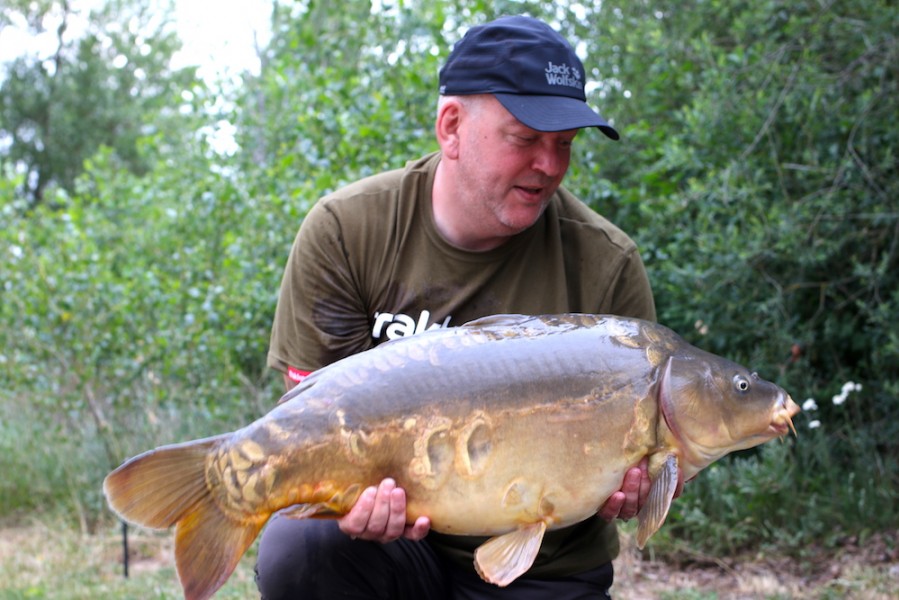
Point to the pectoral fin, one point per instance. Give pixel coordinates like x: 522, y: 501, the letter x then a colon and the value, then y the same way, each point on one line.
x: 308, y: 511
x: 332, y: 503
x: 503, y: 559
x: 653, y: 513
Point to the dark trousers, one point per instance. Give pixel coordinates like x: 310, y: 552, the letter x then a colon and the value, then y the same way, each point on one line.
x: 312, y: 559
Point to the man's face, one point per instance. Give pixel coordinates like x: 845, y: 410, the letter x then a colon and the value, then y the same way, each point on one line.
x: 508, y: 171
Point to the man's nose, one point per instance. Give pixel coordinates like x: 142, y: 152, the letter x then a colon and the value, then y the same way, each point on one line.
x: 550, y: 160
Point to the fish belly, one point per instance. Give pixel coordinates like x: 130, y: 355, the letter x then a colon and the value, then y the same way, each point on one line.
x: 489, y: 475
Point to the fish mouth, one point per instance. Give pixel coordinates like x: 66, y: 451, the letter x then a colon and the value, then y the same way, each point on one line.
x: 784, y: 411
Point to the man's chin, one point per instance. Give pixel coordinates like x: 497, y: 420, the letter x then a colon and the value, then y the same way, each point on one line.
x: 522, y: 218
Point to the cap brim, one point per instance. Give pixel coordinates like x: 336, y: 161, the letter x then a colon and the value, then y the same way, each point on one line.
x: 554, y: 113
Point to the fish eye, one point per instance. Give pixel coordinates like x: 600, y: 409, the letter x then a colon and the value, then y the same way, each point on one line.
x: 741, y: 384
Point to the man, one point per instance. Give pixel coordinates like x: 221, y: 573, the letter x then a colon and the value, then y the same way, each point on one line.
x: 482, y: 227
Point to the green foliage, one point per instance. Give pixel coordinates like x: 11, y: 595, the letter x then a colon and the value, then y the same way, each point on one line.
x: 107, y: 87
x: 757, y: 171
x: 760, y: 180
x: 782, y: 501
x: 135, y: 315
x: 344, y: 92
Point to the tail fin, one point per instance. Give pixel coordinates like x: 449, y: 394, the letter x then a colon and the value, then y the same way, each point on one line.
x: 166, y: 487
x: 208, y: 546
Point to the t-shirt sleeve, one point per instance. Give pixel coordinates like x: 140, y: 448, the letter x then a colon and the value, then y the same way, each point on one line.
x: 632, y: 292
x: 321, y: 315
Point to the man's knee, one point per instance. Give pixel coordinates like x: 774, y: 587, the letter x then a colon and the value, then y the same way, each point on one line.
x: 295, y: 555
x: 314, y: 559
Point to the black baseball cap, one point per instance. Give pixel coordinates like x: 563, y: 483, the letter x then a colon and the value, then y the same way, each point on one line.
x: 531, y: 69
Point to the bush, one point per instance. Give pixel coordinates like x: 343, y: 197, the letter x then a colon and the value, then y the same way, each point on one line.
x: 765, y: 208
x: 134, y: 314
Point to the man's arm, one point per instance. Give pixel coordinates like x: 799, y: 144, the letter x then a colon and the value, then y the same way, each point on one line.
x: 288, y: 382
x: 320, y: 316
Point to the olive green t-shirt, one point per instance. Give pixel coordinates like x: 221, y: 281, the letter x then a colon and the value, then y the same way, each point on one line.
x: 369, y: 265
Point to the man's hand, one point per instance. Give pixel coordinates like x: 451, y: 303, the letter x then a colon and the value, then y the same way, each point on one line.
x: 627, y: 502
x: 379, y: 515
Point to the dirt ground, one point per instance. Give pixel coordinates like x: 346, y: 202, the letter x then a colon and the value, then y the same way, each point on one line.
x: 868, y: 571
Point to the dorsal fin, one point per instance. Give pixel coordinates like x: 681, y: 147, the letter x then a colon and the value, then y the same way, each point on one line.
x: 504, y: 320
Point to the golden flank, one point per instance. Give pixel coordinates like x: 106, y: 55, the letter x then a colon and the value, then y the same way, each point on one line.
x: 505, y: 427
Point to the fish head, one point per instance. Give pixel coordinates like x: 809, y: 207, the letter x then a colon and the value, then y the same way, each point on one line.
x: 714, y: 406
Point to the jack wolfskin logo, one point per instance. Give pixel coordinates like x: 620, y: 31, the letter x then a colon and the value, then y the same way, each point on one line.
x: 563, y: 75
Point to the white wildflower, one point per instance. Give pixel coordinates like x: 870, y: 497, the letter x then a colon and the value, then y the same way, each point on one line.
x: 848, y: 388
x: 814, y: 424
x: 810, y: 404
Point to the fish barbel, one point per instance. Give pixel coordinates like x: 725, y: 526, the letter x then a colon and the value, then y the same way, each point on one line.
x: 454, y: 416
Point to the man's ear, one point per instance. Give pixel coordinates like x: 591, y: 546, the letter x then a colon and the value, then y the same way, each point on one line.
x: 449, y: 118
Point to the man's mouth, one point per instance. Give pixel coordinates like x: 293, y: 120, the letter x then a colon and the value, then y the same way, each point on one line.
x: 532, y: 192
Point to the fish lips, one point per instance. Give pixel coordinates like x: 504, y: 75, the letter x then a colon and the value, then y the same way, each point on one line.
x: 784, y: 411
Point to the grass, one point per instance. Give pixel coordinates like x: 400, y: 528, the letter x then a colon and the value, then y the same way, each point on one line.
x: 52, y: 560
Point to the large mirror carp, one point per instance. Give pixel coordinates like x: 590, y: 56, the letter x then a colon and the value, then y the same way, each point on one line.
x: 504, y: 427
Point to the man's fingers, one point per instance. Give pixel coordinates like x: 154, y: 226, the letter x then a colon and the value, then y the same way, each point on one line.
x: 645, y: 483
x: 381, y: 511
x: 396, y: 515
x: 629, y: 500
x: 631, y: 487
x: 612, y: 507
x: 380, y: 515
x: 680, y: 483
x: 418, y: 530
x: 354, y: 522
